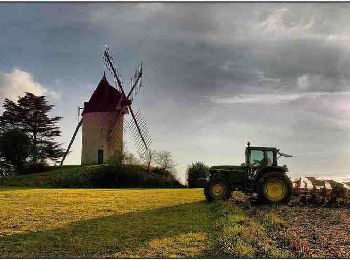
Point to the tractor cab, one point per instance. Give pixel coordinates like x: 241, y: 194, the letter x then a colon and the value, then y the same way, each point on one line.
x: 261, y: 156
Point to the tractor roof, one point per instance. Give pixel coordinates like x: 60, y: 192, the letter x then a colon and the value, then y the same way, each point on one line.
x: 262, y: 148
x: 104, y: 99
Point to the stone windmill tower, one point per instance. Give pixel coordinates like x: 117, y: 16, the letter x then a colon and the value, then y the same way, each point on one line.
x: 99, y: 115
x: 103, y: 119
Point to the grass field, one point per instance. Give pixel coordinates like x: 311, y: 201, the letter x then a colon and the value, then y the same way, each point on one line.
x: 52, y: 223
x: 103, y: 222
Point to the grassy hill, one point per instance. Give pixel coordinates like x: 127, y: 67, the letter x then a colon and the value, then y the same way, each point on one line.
x: 96, y: 176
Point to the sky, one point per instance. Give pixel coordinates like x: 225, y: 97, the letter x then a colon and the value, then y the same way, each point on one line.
x: 216, y: 75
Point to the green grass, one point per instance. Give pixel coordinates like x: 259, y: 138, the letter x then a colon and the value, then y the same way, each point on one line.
x: 103, y: 223
x: 132, y: 223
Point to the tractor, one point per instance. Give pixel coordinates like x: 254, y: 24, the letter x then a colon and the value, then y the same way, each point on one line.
x: 260, y: 176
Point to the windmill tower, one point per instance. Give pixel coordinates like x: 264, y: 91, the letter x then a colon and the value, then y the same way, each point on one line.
x: 98, y: 117
x: 103, y: 119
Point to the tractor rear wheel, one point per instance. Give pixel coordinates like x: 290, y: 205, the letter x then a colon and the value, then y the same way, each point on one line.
x: 217, y: 190
x: 274, y: 187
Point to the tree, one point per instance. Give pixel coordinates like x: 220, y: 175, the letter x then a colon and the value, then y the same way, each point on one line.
x: 130, y: 159
x: 30, y: 115
x: 15, y: 148
x: 148, y: 158
x: 196, y: 175
x: 164, y: 161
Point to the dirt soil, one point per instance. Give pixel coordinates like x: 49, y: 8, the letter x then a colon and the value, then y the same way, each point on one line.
x: 311, y: 231
x: 317, y: 232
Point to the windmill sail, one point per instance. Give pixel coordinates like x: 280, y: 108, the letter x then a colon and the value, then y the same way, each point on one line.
x: 133, y: 91
x: 137, y: 79
x: 140, y: 133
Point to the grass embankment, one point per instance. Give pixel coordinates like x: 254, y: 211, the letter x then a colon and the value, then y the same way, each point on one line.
x: 96, y: 176
x: 66, y: 223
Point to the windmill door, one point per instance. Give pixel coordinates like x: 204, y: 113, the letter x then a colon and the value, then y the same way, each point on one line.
x: 100, y: 157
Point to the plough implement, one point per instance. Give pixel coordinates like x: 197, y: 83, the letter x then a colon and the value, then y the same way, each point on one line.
x: 311, y: 190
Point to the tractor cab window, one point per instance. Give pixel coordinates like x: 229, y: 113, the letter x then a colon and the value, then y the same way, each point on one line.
x: 269, y: 158
x: 256, y: 157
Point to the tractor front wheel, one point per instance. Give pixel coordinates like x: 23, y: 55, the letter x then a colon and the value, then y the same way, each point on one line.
x: 274, y: 187
x: 217, y: 190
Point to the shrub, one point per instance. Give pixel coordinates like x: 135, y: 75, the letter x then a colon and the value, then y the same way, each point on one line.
x: 197, y: 174
x: 36, y: 168
x: 136, y: 176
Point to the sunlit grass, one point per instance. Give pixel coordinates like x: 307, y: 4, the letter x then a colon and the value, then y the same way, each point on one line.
x: 133, y: 223
x: 103, y: 222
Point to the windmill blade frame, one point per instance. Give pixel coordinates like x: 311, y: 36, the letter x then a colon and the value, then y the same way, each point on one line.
x: 138, y: 127
x: 144, y: 132
x: 110, y: 65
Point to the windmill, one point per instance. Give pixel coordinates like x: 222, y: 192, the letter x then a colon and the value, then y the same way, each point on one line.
x: 103, y: 119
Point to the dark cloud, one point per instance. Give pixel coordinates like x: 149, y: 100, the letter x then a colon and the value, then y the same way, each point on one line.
x: 216, y: 74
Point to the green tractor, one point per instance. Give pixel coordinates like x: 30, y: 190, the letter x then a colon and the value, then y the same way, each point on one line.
x: 260, y: 176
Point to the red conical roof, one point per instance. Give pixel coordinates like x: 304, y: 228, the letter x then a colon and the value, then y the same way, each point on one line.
x: 104, y: 99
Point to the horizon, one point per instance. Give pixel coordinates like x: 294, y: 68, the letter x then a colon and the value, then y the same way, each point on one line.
x: 216, y: 75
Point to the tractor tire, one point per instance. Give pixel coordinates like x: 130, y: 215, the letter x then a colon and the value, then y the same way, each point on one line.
x: 274, y: 188
x: 217, y: 190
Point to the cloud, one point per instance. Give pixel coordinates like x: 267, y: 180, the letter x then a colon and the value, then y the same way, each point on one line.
x: 276, y: 23
x: 279, y: 64
x: 216, y: 46
x: 273, y: 98
x: 17, y: 82
x: 149, y: 9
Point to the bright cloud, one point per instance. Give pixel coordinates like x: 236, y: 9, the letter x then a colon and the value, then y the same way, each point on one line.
x: 17, y: 82
x: 275, y: 23
x: 273, y: 98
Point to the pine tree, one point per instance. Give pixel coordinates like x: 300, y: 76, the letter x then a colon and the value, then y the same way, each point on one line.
x: 30, y: 115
